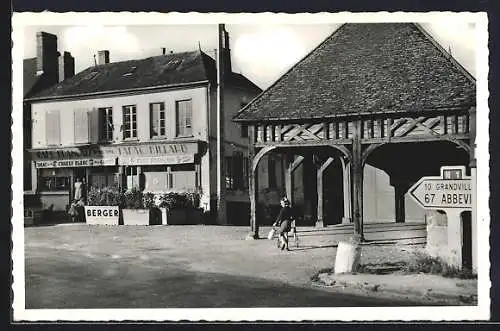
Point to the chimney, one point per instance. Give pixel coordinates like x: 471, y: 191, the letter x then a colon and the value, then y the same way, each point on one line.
x: 47, y: 57
x: 66, y: 66
x: 103, y: 57
x: 226, y: 52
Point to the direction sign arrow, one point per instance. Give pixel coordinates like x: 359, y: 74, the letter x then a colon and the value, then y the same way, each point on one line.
x: 439, y: 193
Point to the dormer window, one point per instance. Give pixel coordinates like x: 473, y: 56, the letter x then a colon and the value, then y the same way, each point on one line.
x: 131, y: 72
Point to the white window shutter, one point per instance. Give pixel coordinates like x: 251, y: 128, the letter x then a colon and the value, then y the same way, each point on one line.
x: 93, y: 129
x: 81, y: 126
x: 52, y: 128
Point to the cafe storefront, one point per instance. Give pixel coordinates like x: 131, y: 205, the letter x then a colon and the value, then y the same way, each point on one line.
x: 151, y: 167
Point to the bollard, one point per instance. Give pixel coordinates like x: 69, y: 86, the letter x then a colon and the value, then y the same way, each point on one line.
x: 348, y: 256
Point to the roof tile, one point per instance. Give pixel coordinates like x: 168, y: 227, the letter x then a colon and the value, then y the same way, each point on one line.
x: 363, y: 68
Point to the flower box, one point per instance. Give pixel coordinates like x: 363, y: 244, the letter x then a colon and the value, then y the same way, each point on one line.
x: 102, y: 215
x: 136, y: 216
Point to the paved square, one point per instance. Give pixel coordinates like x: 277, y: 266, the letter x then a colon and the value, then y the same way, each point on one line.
x: 84, y: 266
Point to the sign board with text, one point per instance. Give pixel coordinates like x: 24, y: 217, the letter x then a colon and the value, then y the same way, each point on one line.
x: 452, y: 190
x: 118, y: 150
x: 75, y: 163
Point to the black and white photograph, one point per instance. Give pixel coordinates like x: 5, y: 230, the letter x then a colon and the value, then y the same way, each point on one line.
x: 243, y: 167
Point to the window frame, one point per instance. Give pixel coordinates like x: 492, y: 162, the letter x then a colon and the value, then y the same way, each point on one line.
x: 108, y: 135
x: 161, y: 110
x: 132, y: 109
x: 178, y: 133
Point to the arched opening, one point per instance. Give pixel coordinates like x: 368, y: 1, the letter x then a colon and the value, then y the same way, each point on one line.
x: 403, y: 164
x: 311, y: 177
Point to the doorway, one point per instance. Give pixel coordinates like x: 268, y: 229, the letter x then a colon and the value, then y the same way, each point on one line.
x: 466, y: 217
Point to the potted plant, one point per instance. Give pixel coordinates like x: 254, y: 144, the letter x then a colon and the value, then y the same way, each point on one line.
x: 103, y: 206
x: 134, y: 212
x: 180, y: 208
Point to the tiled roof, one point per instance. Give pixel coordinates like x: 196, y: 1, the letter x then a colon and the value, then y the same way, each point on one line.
x: 30, y: 77
x: 164, y: 70
x: 366, y: 68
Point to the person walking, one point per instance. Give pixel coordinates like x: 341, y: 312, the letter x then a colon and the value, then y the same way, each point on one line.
x: 285, y: 223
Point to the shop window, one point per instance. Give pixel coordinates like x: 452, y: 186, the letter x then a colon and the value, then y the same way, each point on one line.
x: 184, y: 114
x: 132, y: 178
x: 182, y: 177
x: 52, y: 128
x: 105, y: 124
x: 157, y: 117
x: 129, y: 122
x: 52, y: 183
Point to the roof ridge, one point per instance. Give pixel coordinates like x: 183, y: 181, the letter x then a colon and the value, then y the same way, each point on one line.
x: 448, y: 56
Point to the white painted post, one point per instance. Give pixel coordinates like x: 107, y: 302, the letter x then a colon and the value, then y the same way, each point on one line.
x: 455, y: 237
x: 474, y: 221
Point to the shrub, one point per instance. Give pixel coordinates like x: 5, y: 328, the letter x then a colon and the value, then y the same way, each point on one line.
x: 435, y: 265
x: 106, y: 196
x: 148, y: 200
x: 133, y: 199
x: 174, y: 200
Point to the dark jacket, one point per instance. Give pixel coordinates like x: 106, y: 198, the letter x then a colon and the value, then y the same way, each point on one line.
x: 286, y: 214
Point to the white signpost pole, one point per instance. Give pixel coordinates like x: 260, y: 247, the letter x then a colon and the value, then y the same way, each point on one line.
x: 453, y: 193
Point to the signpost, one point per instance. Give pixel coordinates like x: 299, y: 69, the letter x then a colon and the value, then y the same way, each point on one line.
x: 453, y: 193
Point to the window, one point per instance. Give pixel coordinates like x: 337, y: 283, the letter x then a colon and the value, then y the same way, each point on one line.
x: 271, y: 171
x: 184, y: 115
x: 244, y: 131
x: 157, y: 119
x: 53, y: 183
x: 105, y: 124
x: 52, y: 128
x: 132, y: 177
x: 129, y: 122
x: 235, y: 169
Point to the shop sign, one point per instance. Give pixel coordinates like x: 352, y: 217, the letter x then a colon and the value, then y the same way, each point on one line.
x: 103, y: 215
x: 75, y: 163
x: 167, y: 159
x: 156, y: 149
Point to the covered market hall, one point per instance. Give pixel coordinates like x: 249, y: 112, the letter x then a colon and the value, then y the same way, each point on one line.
x: 384, y: 95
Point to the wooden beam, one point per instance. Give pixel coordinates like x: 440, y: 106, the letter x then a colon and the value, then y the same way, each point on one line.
x: 305, y: 143
x: 357, y: 176
x: 252, y: 184
x: 319, y: 179
x: 293, y: 164
x: 419, y: 138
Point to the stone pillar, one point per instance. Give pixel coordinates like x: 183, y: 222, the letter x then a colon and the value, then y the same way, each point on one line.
x: 455, y: 238
x: 437, y: 235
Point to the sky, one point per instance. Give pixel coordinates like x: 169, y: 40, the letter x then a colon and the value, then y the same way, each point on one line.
x: 262, y: 52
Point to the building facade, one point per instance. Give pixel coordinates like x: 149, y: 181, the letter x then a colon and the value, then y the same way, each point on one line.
x: 46, y: 69
x: 148, y: 124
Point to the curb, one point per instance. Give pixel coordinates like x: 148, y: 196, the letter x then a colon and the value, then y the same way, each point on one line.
x: 371, y: 287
